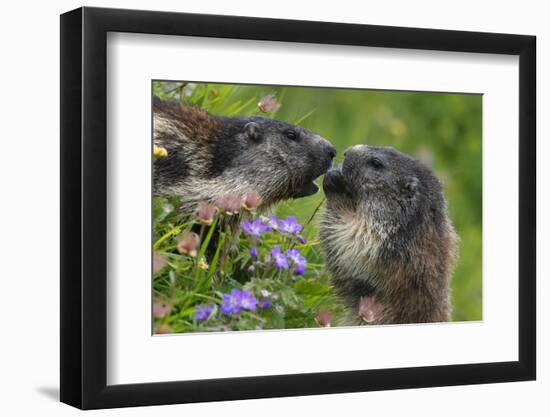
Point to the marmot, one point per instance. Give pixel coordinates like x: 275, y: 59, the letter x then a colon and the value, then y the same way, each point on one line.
x: 387, y: 238
x: 211, y: 156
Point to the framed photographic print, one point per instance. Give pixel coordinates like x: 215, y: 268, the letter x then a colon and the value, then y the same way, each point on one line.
x: 257, y: 208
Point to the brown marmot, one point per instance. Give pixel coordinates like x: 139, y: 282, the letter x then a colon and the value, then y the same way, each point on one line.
x: 211, y: 156
x: 387, y: 238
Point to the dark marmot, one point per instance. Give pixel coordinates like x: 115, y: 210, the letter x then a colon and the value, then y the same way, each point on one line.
x: 388, y: 242
x: 211, y: 156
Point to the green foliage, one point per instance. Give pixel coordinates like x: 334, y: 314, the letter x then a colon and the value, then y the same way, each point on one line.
x: 438, y: 127
x: 184, y: 281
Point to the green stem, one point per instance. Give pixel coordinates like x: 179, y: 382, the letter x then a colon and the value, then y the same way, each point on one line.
x: 169, y: 234
x: 314, y: 212
x: 214, y: 263
x: 202, y: 251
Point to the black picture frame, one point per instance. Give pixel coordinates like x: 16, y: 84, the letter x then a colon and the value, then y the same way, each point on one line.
x: 84, y: 207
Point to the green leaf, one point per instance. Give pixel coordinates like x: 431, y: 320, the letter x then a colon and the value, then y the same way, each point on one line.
x: 161, y: 209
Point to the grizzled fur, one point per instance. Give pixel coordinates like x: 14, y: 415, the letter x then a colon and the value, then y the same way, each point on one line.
x: 211, y: 156
x: 389, y: 244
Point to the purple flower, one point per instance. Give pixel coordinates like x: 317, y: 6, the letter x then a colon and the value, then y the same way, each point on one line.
x: 248, y: 301
x: 297, y: 260
x: 290, y: 225
x: 231, y: 303
x: 299, y: 269
x: 203, y: 312
x: 254, y: 253
x: 255, y: 228
x: 295, y: 256
x: 270, y: 222
x: 265, y: 304
x: 302, y: 240
x: 236, y: 301
x: 279, y: 258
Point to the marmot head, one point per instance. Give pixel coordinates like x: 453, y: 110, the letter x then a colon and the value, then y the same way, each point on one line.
x: 279, y: 160
x: 391, y: 191
x: 210, y: 156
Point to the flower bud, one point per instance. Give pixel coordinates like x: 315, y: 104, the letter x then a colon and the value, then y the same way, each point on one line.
x: 188, y: 244
x: 159, y: 262
x: 159, y: 152
x: 251, y: 201
x: 160, y: 309
x: 323, y: 318
x: 230, y: 203
x: 369, y: 309
x: 206, y: 212
x: 202, y: 264
x: 269, y: 104
x: 254, y: 253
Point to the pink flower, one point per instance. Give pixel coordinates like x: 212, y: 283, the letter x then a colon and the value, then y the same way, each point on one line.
x: 269, y: 104
x: 188, y: 244
x: 251, y: 201
x: 369, y: 309
x: 323, y: 318
x: 230, y: 203
x: 159, y: 262
x: 206, y: 212
x: 160, y: 309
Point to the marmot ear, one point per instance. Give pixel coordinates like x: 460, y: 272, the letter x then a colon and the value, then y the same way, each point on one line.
x: 411, y: 185
x: 252, y: 130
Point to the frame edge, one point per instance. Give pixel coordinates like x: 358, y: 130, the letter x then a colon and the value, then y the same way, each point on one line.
x: 70, y: 204
x: 83, y: 213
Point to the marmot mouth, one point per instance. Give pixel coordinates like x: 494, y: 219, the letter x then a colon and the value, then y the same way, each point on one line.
x: 309, y: 187
x: 335, y: 183
x: 307, y: 190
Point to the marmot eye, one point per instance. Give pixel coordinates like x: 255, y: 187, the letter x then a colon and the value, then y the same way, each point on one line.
x: 376, y: 163
x: 291, y: 134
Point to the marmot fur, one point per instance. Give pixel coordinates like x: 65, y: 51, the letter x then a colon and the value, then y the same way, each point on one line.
x: 387, y: 238
x: 211, y: 156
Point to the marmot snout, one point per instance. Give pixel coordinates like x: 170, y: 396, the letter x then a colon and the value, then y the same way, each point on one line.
x: 387, y: 238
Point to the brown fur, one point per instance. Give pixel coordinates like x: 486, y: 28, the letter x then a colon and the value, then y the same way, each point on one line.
x: 194, y: 123
x: 390, y: 253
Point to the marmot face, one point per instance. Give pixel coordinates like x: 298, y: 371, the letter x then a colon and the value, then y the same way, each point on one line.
x: 385, y: 186
x: 280, y: 160
x: 211, y: 156
x: 387, y: 239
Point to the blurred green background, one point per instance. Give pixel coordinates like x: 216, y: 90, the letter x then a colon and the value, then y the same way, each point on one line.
x: 440, y: 128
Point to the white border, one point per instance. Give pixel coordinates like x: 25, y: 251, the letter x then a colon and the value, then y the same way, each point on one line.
x: 134, y: 356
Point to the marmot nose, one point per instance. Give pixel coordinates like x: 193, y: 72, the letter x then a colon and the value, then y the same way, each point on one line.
x: 331, y: 151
